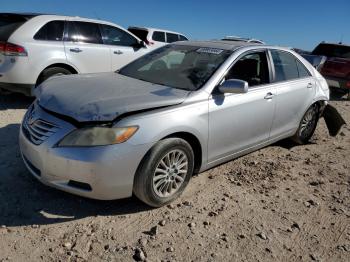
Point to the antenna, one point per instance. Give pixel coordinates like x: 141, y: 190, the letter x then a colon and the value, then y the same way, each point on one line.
x: 341, y: 39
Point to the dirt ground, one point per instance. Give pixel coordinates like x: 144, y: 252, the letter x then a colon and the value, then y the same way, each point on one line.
x: 281, y: 203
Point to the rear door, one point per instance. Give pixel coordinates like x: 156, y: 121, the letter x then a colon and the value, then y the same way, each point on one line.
x: 85, y: 49
x: 122, y: 46
x: 295, y: 90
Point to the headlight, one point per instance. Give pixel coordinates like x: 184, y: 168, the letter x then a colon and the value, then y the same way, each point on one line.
x: 98, y: 136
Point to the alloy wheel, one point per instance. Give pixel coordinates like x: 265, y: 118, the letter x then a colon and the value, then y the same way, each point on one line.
x: 170, y: 173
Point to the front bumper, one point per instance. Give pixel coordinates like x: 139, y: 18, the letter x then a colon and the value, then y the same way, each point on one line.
x: 104, y: 172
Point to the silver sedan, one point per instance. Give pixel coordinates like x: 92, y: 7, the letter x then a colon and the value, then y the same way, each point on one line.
x: 179, y: 110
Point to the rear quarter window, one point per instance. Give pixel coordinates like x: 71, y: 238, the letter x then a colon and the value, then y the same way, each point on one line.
x: 182, y: 38
x: 52, y: 31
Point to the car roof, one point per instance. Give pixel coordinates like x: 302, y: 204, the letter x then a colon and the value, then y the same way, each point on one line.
x: 243, y: 39
x: 25, y: 15
x: 220, y: 44
x: 55, y: 16
x: 154, y: 29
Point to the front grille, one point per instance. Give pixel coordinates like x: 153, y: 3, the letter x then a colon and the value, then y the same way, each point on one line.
x: 37, y: 130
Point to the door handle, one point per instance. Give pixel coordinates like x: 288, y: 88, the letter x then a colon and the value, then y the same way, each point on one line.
x: 76, y: 50
x: 118, y: 52
x: 269, y: 95
x: 309, y: 85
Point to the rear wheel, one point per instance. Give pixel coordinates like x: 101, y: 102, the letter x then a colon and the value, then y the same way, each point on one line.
x: 307, y: 125
x: 51, y: 72
x: 164, y: 172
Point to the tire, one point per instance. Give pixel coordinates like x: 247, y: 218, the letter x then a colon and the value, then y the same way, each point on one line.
x: 307, y: 125
x: 52, y: 71
x: 167, y: 185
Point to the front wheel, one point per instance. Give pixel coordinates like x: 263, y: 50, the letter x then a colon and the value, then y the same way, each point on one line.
x: 164, y: 172
x: 307, y: 125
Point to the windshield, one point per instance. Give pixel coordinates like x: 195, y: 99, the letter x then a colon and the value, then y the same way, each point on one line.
x: 178, y: 66
x: 330, y: 50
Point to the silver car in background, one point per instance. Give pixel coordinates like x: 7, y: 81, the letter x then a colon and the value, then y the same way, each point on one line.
x: 179, y: 110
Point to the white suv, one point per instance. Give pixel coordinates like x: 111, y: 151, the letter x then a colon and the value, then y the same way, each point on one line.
x: 156, y: 37
x: 34, y: 47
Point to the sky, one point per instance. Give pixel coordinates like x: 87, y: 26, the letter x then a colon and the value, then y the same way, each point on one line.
x: 301, y: 24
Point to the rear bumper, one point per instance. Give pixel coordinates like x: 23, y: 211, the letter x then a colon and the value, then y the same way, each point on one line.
x: 336, y: 82
x: 25, y: 89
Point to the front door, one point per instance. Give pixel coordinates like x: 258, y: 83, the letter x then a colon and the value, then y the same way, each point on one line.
x: 240, y: 121
x: 124, y: 47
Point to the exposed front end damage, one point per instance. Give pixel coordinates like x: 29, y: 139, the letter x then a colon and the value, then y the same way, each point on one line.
x: 334, y: 121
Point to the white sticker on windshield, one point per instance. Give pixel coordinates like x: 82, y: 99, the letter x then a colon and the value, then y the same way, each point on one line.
x: 209, y: 50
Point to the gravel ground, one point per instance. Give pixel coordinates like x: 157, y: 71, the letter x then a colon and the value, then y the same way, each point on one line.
x: 281, y: 203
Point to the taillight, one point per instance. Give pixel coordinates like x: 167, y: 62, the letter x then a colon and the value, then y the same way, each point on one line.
x: 12, y: 49
x: 348, y: 84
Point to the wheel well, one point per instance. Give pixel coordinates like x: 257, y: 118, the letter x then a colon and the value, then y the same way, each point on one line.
x: 65, y: 66
x: 321, y: 106
x: 194, y: 143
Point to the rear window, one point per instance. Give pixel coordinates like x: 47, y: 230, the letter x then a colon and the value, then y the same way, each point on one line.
x: 331, y: 50
x: 52, y: 31
x: 140, y: 33
x: 158, y: 36
x: 9, y: 23
x: 170, y: 38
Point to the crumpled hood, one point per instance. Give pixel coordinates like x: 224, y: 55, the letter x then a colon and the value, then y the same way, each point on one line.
x: 103, y: 97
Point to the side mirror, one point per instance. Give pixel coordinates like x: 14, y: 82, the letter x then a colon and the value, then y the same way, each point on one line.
x: 139, y: 44
x: 234, y: 86
x: 142, y: 44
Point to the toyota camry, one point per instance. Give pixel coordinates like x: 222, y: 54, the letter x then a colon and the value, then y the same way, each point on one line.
x: 177, y: 111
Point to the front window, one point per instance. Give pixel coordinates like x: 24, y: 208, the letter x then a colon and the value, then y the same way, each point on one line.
x: 252, y: 68
x: 177, y: 66
x: 116, y: 36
